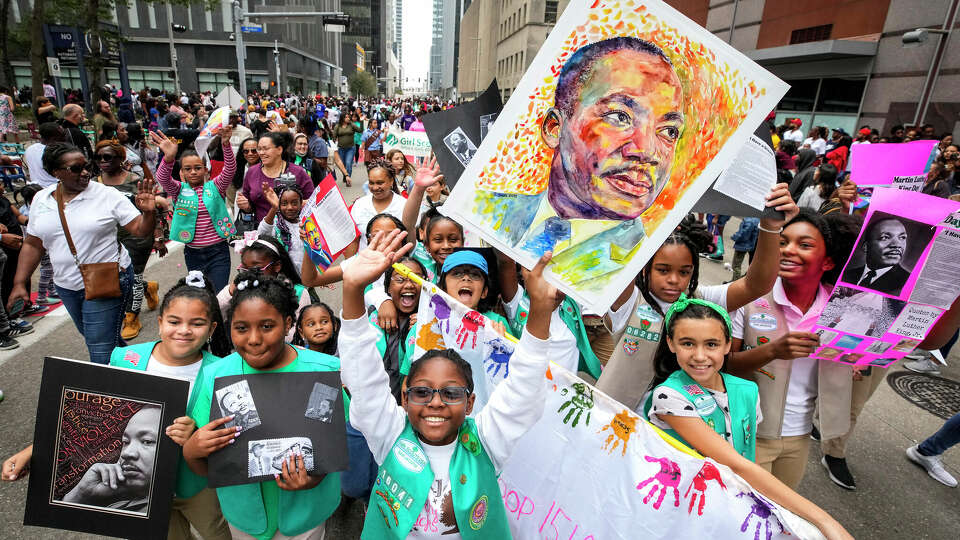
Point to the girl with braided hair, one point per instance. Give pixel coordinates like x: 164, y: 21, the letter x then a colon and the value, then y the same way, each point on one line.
x: 384, y: 198
x: 283, y: 220
x: 635, y: 320
x: 261, y: 313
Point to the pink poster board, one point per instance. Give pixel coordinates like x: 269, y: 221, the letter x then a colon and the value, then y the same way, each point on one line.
x: 900, y: 278
x: 878, y: 164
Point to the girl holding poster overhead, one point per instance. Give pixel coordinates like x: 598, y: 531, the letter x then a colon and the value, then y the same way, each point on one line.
x: 434, y: 461
x: 773, y: 346
x: 200, y: 216
x: 674, y: 270
x: 694, y: 400
x: 261, y: 313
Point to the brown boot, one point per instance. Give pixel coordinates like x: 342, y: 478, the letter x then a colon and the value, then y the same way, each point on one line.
x: 131, y: 326
x: 152, y: 294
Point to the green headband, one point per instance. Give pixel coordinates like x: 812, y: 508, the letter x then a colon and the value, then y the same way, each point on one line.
x: 684, y: 302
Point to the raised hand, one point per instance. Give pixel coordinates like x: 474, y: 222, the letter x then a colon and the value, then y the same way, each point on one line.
x: 541, y: 292
x: 225, y: 133
x: 270, y: 195
x: 146, y: 198
x: 371, y: 262
x: 167, y: 146
x: 428, y: 173
x: 779, y: 199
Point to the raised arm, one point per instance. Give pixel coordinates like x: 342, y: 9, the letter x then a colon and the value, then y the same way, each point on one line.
x: 428, y: 174
x: 165, y: 169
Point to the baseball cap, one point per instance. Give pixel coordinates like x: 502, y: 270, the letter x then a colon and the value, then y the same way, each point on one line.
x: 459, y: 258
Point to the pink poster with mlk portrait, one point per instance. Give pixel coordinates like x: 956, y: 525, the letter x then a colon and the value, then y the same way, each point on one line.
x: 900, y: 278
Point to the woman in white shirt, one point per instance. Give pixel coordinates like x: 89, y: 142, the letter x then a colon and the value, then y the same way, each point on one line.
x: 382, y: 199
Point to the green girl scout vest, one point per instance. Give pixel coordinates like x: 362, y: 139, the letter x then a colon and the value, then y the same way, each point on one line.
x: 571, y: 316
x: 184, y: 223
x: 136, y: 357
x: 742, y: 397
x: 422, y: 256
x: 629, y: 371
x: 404, y: 480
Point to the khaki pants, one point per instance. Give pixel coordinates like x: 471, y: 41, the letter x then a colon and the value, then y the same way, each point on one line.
x: 785, y: 458
x: 203, y: 512
x: 317, y: 533
x: 860, y: 394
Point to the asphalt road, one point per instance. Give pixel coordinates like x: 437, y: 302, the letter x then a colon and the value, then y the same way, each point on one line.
x: 895, y: 499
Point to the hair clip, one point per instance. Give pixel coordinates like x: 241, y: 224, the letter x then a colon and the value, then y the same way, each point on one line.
x: 242, y: 285
x: 195, y: 279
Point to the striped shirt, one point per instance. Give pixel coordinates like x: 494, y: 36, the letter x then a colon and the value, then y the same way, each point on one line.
x: 204, y: 233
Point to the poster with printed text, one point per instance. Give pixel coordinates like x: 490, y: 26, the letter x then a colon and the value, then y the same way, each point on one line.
x: 101, y: 462
x: 900, y: 278
x: 625, y: 117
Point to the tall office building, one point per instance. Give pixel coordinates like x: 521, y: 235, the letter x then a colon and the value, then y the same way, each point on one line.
x: 444, y: 46
x: 309, y: 57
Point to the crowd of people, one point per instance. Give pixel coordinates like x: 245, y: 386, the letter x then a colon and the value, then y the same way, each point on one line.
x: 113, y: 190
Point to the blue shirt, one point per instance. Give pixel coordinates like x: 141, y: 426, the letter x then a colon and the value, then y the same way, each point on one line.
x: 376, y: 143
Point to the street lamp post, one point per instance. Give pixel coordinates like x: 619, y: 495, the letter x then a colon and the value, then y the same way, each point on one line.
x: 276, y: 61
x: 173, y: 49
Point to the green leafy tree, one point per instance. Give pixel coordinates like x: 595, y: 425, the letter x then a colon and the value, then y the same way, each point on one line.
x: 362, y: 83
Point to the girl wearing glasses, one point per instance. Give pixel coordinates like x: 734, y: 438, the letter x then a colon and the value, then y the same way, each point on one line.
x: 259, y: 317
x: 200, y: 217
x: 434, y: 461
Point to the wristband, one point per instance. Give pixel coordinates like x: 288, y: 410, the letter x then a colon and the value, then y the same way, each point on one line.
x: 769, y: 231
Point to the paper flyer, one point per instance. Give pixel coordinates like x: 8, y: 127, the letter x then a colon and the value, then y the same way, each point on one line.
x: 328, y: 224
x: 900, y: 278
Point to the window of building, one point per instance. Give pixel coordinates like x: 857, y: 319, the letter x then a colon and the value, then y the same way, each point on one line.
x: 151, y: 15
x: 831, y: 102
x: 806, y: 35
x: 133, y: 17
x: 213, y: 82
x: 550, y: 11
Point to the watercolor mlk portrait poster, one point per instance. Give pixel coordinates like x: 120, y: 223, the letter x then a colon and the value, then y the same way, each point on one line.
x: 625, y: 117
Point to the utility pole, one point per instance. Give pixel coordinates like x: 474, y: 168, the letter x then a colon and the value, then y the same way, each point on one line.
x: 238, y: 14
x: 276, y: 61
x: 173, y: 49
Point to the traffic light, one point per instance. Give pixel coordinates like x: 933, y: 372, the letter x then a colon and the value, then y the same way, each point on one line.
x: 273, y: 83
x: 171, y: 74
x: 234, y: 76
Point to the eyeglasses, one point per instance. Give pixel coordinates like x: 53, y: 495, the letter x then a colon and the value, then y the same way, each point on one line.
x: 460, y: 273
x: 77, y: 169
x: 242, y: 268
x: 106, y: 157
x: 401, y: 279
x: 450, y: 395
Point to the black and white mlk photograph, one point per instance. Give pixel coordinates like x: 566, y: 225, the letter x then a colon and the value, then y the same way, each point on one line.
x: 460, y: 145
x: 237, y: 400
x: 320, y: 404
x: 887, y: 252
x: 265, y: 457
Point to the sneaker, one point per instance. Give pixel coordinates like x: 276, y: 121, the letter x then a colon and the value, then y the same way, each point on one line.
x: 839, y: 473
x: 933, y: 465
x: 7, y: 343
x: 48, y: 301
x: 815, y: 434
x: 34, y: 309
x: 923, y: 365
x: 19, y: 327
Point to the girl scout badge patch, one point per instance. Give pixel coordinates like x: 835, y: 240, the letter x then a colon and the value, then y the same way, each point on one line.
x: 631, y: 346
x: 763, y: 322
x: 132, y: 357
x: 648, y: 317
x: 478, y: 514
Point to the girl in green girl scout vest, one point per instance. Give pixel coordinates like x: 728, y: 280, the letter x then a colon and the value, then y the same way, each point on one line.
x: 438, y: 468
x: 200, y: 216
x: 261, y: 313
x: 674, y: 269
x: 712, y: 411
x: 189, y: 324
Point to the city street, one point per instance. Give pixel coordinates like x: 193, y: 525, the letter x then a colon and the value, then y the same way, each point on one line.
x: 895, y: 499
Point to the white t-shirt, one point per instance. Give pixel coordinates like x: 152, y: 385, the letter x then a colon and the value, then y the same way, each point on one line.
x: 92, y: 216
x: 33, y: 157
x: 802, y: 390
x: 186, y: 372
x: 563, y: 344
x: 794, y: 135
x: 363, y: 211
x: 436, y: 519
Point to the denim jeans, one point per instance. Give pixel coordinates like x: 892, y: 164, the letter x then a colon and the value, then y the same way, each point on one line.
x: 346, y: 155
x: 213, y: 261
x: 936, y: 444
x: 98, y: 320
x: 357, y: 480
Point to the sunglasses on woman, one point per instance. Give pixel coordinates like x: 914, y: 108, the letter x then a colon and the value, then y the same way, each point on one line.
x: 451, y: 395
x: 106, y: 157
x: 77, y: 169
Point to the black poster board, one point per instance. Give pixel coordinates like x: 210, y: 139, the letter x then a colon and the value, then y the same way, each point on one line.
x: 95, y: 421
x: 455, y: 134
x: 279, y: 413
x: 714, y: 202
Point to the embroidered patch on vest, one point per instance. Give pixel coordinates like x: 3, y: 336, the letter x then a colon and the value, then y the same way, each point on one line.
x: 185, y: 235
x: 643, y: 334
x: 478, y: 514
x: 763, y: 321
x: 761, y: 303
x: 132, y: 357
x: 409, y: 455
x: 647, y: 316
x: 693, y: 389
x: 705, y: 405
x: 762, y: 340
x: 630, y: 346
